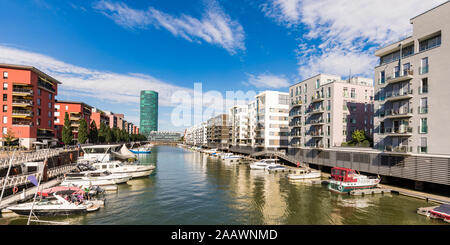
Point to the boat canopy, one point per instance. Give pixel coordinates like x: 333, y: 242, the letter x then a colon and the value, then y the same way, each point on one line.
x: 445, y: 208
x: 61, y: 190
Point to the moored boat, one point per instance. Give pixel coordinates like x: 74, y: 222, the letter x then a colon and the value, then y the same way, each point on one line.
x: 344, y: 180
x: 263, y: 164
x: 46, y: 207
x: 134, y: 170
x: 305, y: 174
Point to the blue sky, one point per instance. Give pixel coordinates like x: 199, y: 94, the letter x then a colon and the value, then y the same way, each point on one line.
x: 105, y: 52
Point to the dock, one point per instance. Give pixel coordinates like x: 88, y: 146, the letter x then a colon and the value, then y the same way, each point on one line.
x: 364, y: 192
x: 418, y: 194
x: 26, y: 194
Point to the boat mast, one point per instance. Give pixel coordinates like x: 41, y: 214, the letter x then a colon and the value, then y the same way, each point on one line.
x: 6, y: 177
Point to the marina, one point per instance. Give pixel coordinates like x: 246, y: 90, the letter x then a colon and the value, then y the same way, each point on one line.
x: 190, y: 187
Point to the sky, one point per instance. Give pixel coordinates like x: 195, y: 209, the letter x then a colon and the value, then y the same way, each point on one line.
x: 104, y: 52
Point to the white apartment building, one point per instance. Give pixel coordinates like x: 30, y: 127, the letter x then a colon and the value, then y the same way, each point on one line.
x: 413, y: 90
x: 251, y: 121
x: 196, y: 135
x: 272, y: 115
x: 325, y: 110
x: 239, y: 125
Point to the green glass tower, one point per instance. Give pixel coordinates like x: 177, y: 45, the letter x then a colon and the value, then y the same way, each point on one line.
x: 149, y: 112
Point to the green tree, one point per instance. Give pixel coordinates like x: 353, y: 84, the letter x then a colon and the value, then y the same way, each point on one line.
x: 82, y: 131
x: 116, y: 133
x: 109, y: 138
x: 124, y: 136
x: 67, y: 135
x: 358, y: 136
x: 93, y: 132
x: 102, y: 133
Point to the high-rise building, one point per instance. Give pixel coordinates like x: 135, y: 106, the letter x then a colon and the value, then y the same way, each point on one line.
x: 325, y: 110
x: 272, y: 115
x: 148, y: 112
x: 27, y: 111
x: 412, y: 88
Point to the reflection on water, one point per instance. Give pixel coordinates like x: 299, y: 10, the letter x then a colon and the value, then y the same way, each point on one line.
x: 191, y: 188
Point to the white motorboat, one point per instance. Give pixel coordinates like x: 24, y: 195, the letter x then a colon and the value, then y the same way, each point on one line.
x: 263, y: 164
x: 229, y: 156
x: 89, y: 171
x: 98, y: 153
x: 211, y: 151
x: 305, y: 174
x: 275, y: 167
x: 83, y: 181
x: 134, y: 170
x: 46, y: 207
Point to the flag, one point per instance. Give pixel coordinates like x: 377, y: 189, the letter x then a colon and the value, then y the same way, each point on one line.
x: 33, y: 180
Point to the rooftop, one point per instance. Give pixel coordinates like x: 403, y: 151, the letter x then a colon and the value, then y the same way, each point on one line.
x: 30, y: 68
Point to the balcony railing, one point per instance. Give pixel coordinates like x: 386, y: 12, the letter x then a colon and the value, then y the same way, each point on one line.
x: 317, y: 121
x: 22, y: 102
x: 22, y: 123
x: 317, y: 134
x: 22, y: 113
x: 399, y: 130
x: 398, y: 149
x: 21, y: 90
x: 399, y: 95
x: 401, y: 112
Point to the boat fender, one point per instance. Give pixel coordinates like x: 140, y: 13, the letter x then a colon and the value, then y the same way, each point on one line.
x: 340, y: 188
x: 15, y: 190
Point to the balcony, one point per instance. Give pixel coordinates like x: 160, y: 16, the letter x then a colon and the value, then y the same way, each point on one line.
x: 22, y: 92
x: 296, y: 103
x: 316, y: 134
x: 317, y: 122
x: 318, y: 146
x: 399, y: 132
x: 22, y: 123
x: 296, y: 124
x: 45, y: 86
x: 315, y: 99
x: 396, y: 77
x: 405, y: 95
x: 398, y: 150
x: 393, y: 114
x: 45, y: 134
x: 22, y: 113
x: 17, y: 102
x: 317, y: 110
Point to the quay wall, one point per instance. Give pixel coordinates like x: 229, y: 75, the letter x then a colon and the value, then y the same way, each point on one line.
x: 424, y: 168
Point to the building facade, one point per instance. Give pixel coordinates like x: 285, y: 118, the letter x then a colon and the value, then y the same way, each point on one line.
x: 239, y: 125
x: 219, y: 131
x: 325, y: 110
x: 76, y: 111
x: 28, y: 105
x: 148, y: 112
x: 164, y: 136
x: 272, y: 115
x: 99, y: 117
x: 412, y: 89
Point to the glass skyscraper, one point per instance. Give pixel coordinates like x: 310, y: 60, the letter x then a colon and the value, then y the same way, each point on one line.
x: 149, y: 112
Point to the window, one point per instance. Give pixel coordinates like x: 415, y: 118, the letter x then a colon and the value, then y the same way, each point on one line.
x: 353, y: 93
x: 38, y: 122
x: 49, y: 114
x: 430, y: 43
x: 329, y: 92
x: 57, y: 120
x: 344, y: 107
x: 5, y: 97
x: 329, y: 105
x: 5, y: 119
x: 38, y: 112
x: 423, y: 148
x: 317, y: 83
x: 39, y: 91
x: 424, y: 86
x: 423, y: 128
x: 39, y: 101
x: 49, y: 105
x: 306, y: 88
x: 5, y: 75
x: 5, y: 86
x: 345, y: 92
x: 5, y: 131
x: 49, y: 123
x: 382, y: 77
x: 406, y: 69
x: 424, y: 66
x: 67, y: 107
x: 57, y: 107
x: 50, y: 96
x: 423, y: 108
x: 5, y: 108
x: 56, y: 113
x: 282, y: 99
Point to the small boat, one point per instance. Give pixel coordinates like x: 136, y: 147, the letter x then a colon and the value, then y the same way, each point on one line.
x: 305, y: 174
x: 46, y: 207
x: 263, y: 164
x: 134, y: 170
x: 275, y: 167
x: 229, y: 156
x: 441, y: 212
x: 344, y: 180
x: 142, y: 150
x: 61, y: 190
x: 211, y: 151
x: 83, y: 181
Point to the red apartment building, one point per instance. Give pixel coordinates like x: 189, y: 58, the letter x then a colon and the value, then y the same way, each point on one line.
x: 76, y: 111
x: 27, y: 105
x: 99, y: 117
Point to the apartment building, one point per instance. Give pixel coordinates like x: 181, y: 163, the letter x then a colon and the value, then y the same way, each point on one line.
x: 272, y: 115
x: 412, y: 88
x: 239, y: 125
x: 251, y: 121
x: 120, y: 119
x: 196, y: 135
x: 28, y: 105
x: 325, y: 110
x: 99, y: 117
x: 219, y: 131
x: 76, y: 111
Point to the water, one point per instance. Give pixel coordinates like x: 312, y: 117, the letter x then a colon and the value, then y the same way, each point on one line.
x: 191, y: 188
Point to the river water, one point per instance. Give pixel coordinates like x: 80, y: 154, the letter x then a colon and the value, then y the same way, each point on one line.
x: 189, y: 188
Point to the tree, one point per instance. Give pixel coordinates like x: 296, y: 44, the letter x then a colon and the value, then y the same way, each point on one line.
x: 124, y: 136
x: 82, y: 131
x: 9, y: 136
x: 67, y: 135
x: 358, y: 136
x: 93, y: 133
x: 116, y: 133
x: 102, y: 132
x: 109, y: 138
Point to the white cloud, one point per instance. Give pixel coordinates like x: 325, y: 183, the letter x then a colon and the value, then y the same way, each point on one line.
x: 108, y: 86
x: 344, y: 33
x: 215, y: 26
x: 268, y: 81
